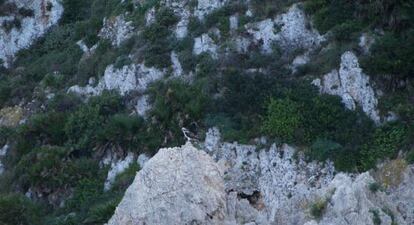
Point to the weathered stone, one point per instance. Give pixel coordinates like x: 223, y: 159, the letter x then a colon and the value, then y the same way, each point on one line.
x: 31, y: 27
x: 204, y: 43
x: 134, y: 77
x: 117, y: 166
x: 352, y: 85
x: 289, y: 30
x: 116, y: 29
x: 177, y: 186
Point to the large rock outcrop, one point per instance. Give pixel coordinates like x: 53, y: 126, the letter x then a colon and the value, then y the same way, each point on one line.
x: 177, y: 186
x: 242, y: 184
x: 134, y: 77
x: 291, y: 31
x: 40, y: 16
x: 352, y: 85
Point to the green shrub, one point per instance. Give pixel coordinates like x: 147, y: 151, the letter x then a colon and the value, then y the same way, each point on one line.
x: 283, y: 119
x: 375, y: 217
x: 17, y: 209
x: 387, y: 141
x: 391, y: 54
x: 318, y: 208
x: 374, y: 187
x: 49, y: 169
x: 176, y: 104
x: 323, y: 149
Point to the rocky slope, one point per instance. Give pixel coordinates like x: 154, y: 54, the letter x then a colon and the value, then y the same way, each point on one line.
x: 43, y: 14
x: 146, y: 69
x: 242, y: 184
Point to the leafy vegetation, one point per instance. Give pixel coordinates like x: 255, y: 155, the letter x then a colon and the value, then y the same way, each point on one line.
x: 55, y: 153
x: 318, y: 208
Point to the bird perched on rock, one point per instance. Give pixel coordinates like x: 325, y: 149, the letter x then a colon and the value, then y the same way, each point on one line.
x: 189, y: 136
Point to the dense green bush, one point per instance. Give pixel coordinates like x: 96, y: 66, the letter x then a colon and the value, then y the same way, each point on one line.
x: 283, y: 119
x: 17, y: 209
x: 158, y: 39
x: 387, y: 141
x: 177, y: 105
x: 318, y: 208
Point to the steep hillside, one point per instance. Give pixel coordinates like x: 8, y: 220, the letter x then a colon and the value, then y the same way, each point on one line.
x: 305, y: 107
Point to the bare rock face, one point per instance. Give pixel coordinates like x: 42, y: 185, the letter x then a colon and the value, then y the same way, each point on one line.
x: 352, y: 85
x: 134, y: 77
x: 290, y: 30
x: 243, y: 184
x: 116, y: 29
x: 45, y: 13
x: 205, y: 43
x: 177, y: 186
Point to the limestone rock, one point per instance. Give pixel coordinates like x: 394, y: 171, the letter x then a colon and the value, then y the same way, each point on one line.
x: 134, y: 77
x: 3, y: 152
x: 295, y: 31
x: 46, y: 13
x: 116, y: 29
x: 117, y: 166
x: 248, y: 185
x: 352, y: 85
x: 176, y: 65
x: 177, y: 186
x: 204, y: 43
x: 143, y: 105
x: 290, y: 30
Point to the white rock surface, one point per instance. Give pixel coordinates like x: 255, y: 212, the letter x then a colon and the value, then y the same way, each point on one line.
x: 176, y: 65
x: 177, y: 186
x: 134, y: 77
x: 31, y: 27
x: 247, y: 185
x: 116, y: 29
x: 298, y: 61
x: 204, y: 43
x: 234, y: 22
x: 290, y: 30
x: 142, y: 160
x: 3, y: 152
x: 117, y: 167
x: 143, y: 106
x: 295, y: 32
x: 352, y: 85
x: 365, y: 42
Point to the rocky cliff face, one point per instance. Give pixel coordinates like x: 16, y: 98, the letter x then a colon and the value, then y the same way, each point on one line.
x: 41, y: 15
x: 245, y: 184
x: 352, y: 85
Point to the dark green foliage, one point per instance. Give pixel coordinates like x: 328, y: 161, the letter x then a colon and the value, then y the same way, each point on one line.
x: 50, y: 169
x: 392, y: 54
x: 282, y: 119
x: 374, y: 187
x: 375, y: 217
x: 17, y: 209
x: 177, y: 105
x: 318, y: 208
x: 304, y: 117
x: 323, y: 149
x: 387, y: 141
x: 269, y: 8
x: 158, y: 39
